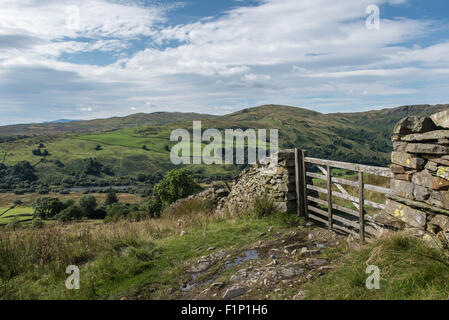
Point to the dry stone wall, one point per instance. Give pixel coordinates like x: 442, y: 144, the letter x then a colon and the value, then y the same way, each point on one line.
x: 254, y: 182
x: 420, y: 187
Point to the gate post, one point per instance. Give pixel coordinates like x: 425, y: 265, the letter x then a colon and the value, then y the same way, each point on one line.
x: 361, y: 211
x: 300, y: 176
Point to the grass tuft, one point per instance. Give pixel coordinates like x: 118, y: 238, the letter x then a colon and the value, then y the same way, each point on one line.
x: 409, y: 269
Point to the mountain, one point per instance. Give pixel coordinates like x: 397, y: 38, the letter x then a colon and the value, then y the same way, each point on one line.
x: 136, y: 149
x: 60, y: 121
x: 115, y: 123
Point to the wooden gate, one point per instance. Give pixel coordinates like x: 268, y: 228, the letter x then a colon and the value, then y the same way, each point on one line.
x: 337, y: 216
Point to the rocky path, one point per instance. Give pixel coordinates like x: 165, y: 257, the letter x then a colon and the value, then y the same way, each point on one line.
x: 270, y: 269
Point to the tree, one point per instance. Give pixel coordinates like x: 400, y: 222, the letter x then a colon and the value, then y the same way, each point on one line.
x: 46, y: 207
x: 111, y: 198
x: 24, y: 171
x: 71, y: 213
x: 177, y: 184
x: 88, y: 204
x: 154, y: 206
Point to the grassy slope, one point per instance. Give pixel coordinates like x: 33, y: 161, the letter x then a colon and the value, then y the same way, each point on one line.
x: 147, y: 260
x: 332, y: 136
x: 409, y: 269
x: 125, y: 259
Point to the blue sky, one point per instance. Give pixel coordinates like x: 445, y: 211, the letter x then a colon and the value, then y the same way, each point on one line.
x: 101, y: 58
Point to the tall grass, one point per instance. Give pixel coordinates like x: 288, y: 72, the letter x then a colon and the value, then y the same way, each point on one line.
x: 409, y: 269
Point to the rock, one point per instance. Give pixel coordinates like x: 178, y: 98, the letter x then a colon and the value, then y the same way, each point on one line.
x: 444, y: 160
x: 399, y: 146
x: 444, y: 141
x: 423, y: 206
x: 421, y: 193
x: 287, y: 273
x: 397, y: 169
x: 402, y: 188
x: 441, y: 222
x: 183, y: 233
x: 298, y: 296
x: 200, y: 267
x: 441, y: 119
x: 236, y: 278
x: 234, y: 292
x: 211, y: 249
x: 414, y: 125
x: 439, y: 198
x: 431, y: 166
x: 407, y: 160
x: 316, y: 262
x: 217, y: 285
x: 425, y: 179
x: 389, y: 221
x: 410, y: 216
x: 427, y: 136
x: 443, y: 172
x: 426, y: 148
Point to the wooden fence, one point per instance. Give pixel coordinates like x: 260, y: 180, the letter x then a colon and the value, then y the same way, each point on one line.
x: 350, y: 221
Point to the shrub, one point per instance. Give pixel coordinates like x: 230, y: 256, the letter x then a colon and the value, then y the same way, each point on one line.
x: 116, y: 212
x: 111, y: 198
x: 153, y: 206
x: 88, y: 204
x: 71, y: 213
x: 177, y: 184
x: 14, y: 224
x: 37, y: 223
x: 263, y: 206
x: 188, y: 208
x: 46, y: 207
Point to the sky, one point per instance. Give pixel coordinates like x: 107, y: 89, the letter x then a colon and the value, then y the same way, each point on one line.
x: 86, y: 59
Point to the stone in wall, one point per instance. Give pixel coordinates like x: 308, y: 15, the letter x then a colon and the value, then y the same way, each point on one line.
x: 441, y: 119
x: 407, y: 160
x: 431, y: 136
x: 439, y: 199
x: 410, y: 216
x: 442, y: 160
x: 441, y: 222
x: 402, y: 188
x: 414, y: 125
x: 426, y: 179
x: 425, y: 148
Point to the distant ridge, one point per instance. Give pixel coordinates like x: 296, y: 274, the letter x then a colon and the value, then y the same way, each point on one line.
x: 62, y: 121
x: 255, y: 115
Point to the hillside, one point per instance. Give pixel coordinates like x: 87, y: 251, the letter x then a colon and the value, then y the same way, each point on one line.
x: 135, y: 149
x: 134, y: 120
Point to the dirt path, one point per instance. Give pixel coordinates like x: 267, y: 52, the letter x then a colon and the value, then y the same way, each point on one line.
x: 272, y: 269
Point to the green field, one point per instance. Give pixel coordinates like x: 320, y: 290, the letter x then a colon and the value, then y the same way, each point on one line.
x: 22, y: 213
x: 118, y: 146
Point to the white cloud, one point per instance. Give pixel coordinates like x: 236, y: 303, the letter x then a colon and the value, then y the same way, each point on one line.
x: 312, y: 53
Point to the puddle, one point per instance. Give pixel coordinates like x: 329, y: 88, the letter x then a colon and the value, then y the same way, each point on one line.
x: 249, y: 255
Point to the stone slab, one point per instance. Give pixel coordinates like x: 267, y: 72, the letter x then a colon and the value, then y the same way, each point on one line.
x: 441, y: 119
x: 425, y: 148
x: 414, y: 125
x: 425, y: 179
x: 407, y: 160
x: 409, y: 215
